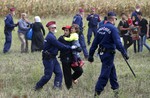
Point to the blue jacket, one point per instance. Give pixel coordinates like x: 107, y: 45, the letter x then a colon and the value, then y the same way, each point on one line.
x: 93, y: 21
x: 9, y: 23
x: 52, y: 45
x: 108, y: 37
x: 77, y: 19
x: 135, y: 15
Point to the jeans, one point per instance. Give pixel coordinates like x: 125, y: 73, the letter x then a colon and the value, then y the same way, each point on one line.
x: 143, y: 42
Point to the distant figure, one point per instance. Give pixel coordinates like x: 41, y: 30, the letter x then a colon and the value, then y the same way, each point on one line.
x: 134, y: 13
x: 23, y: 28
x: 93, y: 19
x: 144, y: 31
x: 9, y: 26
x: 124, y: 28
x: 37, y: 37
x: 135, y: 35
x: 78, y: 19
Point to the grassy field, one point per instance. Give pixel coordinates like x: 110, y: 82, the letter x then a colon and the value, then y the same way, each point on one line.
x: 19, y: 72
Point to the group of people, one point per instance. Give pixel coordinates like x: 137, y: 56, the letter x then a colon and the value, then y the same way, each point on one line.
x: 24, y: 26
x: 72, y: 42
x: 134, y: 29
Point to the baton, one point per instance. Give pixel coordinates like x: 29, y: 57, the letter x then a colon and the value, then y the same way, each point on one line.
x: 129, y: 66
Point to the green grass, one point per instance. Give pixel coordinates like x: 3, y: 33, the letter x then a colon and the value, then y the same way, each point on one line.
x: 20, y: 72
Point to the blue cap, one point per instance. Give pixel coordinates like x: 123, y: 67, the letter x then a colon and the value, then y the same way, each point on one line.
x: 111, y: 14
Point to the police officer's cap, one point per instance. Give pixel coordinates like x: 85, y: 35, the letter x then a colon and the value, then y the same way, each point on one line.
x: 12, y: 9
x: 111, y: 14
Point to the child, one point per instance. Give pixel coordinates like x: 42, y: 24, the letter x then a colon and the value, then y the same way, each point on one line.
x: 74, y: 38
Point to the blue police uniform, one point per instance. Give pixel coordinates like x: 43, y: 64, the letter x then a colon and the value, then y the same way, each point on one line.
x: 92, y: 24
x: 108, y: 40
x: 50, y: 50
x: 9, y: 26
x: 77, y: 19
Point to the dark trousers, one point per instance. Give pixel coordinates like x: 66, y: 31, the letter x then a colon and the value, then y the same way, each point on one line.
x: 127, y: 41
x: 83, y: 45
x: 108, y: 72
x: 89, y: 35
x: 68, y: 76
x: 136, y: 46
x: 51, y: 66
x: 8, y: 41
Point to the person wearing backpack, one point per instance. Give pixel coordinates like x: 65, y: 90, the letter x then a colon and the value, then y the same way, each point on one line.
x: 124, y: 30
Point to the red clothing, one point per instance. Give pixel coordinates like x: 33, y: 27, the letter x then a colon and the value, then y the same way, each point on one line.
x: 130, y: 22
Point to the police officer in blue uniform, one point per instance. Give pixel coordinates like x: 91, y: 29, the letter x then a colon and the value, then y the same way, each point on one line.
x: 77, y: 19
x: 108, y: 40
x: 93, y: 19
x: 50, y: 50
x: 9, y: 26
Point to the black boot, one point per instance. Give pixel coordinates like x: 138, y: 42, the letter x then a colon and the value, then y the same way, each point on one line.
x: 96, y: 94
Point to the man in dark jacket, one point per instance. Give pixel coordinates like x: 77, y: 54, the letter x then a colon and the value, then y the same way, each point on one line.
x: 66, y: 58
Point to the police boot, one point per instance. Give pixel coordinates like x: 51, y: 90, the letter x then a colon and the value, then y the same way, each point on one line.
x: 96, y: 94
x: 37, y: 88
x: 116, y: 93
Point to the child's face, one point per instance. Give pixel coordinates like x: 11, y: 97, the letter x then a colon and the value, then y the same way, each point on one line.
x: 73, y: 29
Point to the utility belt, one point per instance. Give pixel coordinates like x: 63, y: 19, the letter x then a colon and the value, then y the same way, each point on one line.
x: 103, y: 50
x: 46, y: 55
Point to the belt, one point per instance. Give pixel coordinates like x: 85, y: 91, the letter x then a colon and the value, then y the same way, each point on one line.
x: 47, y: 55
x: 102, y: 50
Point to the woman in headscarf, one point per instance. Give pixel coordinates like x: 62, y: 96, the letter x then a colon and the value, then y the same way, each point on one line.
x: 37, y: 37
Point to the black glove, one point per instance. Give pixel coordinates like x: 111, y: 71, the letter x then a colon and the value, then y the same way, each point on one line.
x: 126, y: 56
x: 91, y: 59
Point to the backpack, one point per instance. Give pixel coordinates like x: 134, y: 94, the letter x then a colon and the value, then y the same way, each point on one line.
x: 29, y: 34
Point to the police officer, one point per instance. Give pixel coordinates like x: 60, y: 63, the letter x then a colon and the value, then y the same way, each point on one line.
x: 108, y: 40
x: 50, y: 50
x: 9, y: 26
x: 77, y: 19
x: 93, y: 19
